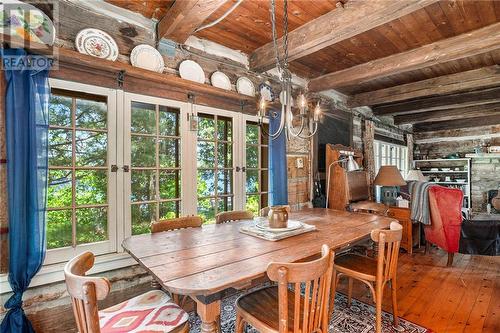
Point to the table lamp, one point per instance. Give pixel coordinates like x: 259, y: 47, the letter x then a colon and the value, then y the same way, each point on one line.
x: 389, y: 178
x: 416, y: 175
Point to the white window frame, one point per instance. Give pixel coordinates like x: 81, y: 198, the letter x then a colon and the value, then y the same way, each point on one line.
x: 110, y: 254
x: 109, y: 246
x: 125, y: 158
x: 386, y: 153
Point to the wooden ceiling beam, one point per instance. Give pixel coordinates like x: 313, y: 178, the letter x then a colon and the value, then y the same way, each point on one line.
x: 472, y: 43
x: 449, y: 114
x: 354, y: 18
x: 447, y: 84
x: 184, y: 17
x: 457, y: 123
x: 457, y: 100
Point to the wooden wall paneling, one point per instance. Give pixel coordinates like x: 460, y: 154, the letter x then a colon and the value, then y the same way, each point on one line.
x: 487, y: 96
x: 474, y: 79
x: 469, y: 44
x: 368, y: 152
x: 457, y: 123
x: 184, y: 17
x: 340, y: 24
x: 74, y: 17
x: 449, y: 114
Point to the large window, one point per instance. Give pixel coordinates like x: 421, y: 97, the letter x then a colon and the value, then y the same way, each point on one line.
x: 119, y: 161
x: 391, y: 154
x: 79, y: 185
x: 256, y: 182
x: 155, y: 164
x: 215, y: 165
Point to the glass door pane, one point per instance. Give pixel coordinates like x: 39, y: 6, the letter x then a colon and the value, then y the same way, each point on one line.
x: 256, y: 169
x: 214, y: 149
x: 155, y: 170
x: 80, y: 193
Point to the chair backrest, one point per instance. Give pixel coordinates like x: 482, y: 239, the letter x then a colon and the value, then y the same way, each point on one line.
x: 311, y: 312
x: 85, y: 291
x: 388, y: 250
x: 445, y: 206
x: 264, y: 212
x: 178, y: 223
x: 235, y: 215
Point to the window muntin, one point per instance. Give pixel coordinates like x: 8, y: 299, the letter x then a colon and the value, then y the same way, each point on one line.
x: 391, y: 154
x: 256, y: 175
x: 77, y: 200
x: 214, y: 148
x: 155, y: 164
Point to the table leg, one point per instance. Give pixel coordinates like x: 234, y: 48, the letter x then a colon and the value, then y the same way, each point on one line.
x: 209, y: 314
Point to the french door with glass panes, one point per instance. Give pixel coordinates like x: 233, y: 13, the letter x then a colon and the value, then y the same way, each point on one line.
x: 173, y: 171
x: 155, y: 161
x: 218, y: 163
x: 81, y: 194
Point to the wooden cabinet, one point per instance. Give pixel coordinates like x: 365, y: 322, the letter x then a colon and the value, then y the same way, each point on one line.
x: 410, y: 230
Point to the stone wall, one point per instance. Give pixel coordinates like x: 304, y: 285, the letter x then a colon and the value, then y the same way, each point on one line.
x: 485, y: 173
x: 485, y: 176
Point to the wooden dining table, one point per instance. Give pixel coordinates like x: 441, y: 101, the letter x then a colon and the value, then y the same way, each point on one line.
x: 208, y: 262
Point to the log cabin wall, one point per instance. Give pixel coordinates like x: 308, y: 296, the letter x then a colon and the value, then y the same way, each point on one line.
x: 484, y: 171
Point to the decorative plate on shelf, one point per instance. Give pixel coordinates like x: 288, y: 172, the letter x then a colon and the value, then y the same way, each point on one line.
x: 292, y: 225
x: 147, y: 57
x: 220, y: 80
x: 26, y: 21
x: 190, y: 70
x: 266, y: 91
x: 245, y: 86
x: 96, y: 43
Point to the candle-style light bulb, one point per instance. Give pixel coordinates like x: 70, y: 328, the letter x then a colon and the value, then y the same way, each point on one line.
x: 317, y: 113
x: 303, y: 104
x: 262, y: 107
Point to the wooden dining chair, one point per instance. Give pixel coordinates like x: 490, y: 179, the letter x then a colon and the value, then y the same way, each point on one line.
x: 264, y: 212
x: 369, y: 207
x: 85, y: 291
x: 169, y: 225
x: 177, y: 223
x: 377, y: 271
x: 236, y: 215
x: 278, y: 309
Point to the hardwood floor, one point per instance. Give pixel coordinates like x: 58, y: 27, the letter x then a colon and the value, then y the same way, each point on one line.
x: 462, y: 298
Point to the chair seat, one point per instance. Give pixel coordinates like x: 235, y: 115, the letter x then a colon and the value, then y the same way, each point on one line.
x: 153, y: 311
x: 356, y: 265
x: 261, y: 308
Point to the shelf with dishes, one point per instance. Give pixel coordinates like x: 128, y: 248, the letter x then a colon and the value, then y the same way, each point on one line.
x: 452, y: 173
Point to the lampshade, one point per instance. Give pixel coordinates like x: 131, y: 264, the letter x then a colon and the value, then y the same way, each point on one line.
x: 351, y: 164
x: 416, y: 175
x: 389, y: 175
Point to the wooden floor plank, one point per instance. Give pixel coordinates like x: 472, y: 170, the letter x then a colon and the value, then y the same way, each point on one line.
x: 463, y: 298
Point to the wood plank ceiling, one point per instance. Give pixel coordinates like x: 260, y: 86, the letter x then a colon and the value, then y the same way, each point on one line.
x: 248, y: 28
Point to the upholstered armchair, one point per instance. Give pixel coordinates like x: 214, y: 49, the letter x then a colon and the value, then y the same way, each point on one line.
x: 445, y: 206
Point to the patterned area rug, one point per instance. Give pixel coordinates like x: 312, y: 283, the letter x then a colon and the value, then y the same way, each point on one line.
x: 359, y: 318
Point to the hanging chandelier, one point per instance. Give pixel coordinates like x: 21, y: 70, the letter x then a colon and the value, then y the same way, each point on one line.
x: 308, y: 120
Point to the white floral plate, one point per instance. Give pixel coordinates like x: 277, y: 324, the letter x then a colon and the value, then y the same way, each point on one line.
x: 190, y: 70
x: 147, y: 57
x: 96, y: 43
x: 245, y: 86
x: 220, y: 80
